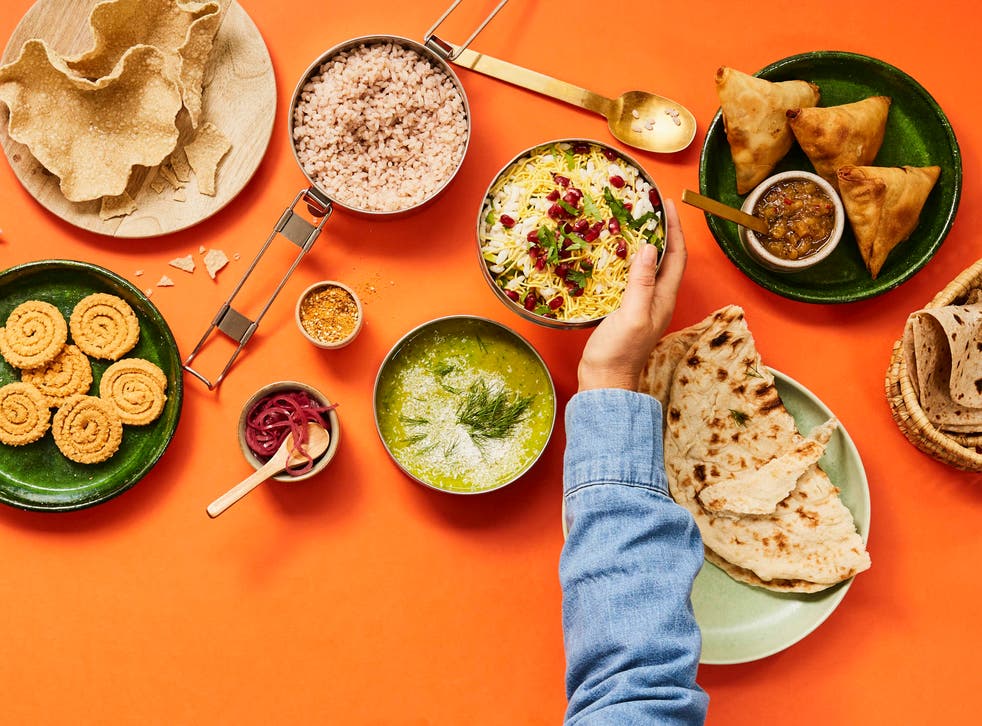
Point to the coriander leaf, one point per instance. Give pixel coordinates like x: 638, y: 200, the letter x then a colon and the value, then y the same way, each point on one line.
x: 590, y: 207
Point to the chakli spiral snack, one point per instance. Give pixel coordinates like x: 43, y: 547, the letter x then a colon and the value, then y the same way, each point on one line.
x: 24, y: 414
x: 104, y: 326
x: 135, y: 389
x: 69, y: 373
x: 87, y: 429
x: 35, y: 333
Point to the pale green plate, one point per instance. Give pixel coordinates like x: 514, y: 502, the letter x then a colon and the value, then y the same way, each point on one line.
x: 742, y: 623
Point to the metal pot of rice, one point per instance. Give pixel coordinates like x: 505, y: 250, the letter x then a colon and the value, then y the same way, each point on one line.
x: 380, y: 125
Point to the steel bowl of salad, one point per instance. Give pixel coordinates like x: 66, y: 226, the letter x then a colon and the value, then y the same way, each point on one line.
x: 559, y: 227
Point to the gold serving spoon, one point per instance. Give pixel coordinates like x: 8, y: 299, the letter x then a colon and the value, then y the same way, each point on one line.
x: 725, y: 211
x: 318, y: 439
x: 638, y: 118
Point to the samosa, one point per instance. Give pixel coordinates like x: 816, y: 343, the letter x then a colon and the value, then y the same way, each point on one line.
x: 847, y: 135
x: 754, y: 116
x: 884, y: 206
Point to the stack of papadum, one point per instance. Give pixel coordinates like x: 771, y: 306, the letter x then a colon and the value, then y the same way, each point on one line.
x: 768, y: 514
x: 762, y: 118
x: 943, y: 352
x: 92, y: 119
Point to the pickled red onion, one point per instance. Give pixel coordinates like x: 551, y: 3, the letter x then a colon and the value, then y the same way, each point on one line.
x: 278, y: 415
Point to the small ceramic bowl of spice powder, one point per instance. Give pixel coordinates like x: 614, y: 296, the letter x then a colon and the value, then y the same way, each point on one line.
x: 329, y: 314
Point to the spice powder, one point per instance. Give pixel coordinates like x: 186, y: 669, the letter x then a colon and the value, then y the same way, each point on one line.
x: 329, y: 314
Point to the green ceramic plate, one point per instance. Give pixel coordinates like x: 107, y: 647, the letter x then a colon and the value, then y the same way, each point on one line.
x: 742, y: 623
x: 37, y: 476
x: 917, y: 134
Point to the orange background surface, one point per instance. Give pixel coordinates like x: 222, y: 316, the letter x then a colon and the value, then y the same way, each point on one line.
x: 360, y: 597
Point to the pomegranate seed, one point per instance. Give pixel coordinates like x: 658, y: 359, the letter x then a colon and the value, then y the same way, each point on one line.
x: 586, y: 264
x: 533, y: 236
x: 529, y: 302
x: 617, y: 181
x: 581, y: 225
x: 653, y: 198
x: 622, y: 249
x: 576, y: 291
x: 553, y: 196
x: 561, y: 180
x: 506, y: 221
x: 591, y: 235
x: 611, y: 154
x: 614, y: 226
x: 562, y: 269
x: 540, y: 263
x: 628, y: 206
x: 556, y: 303
x: 512, y: 295
x: 555, y: 211
x: 567, y: 228
x: 581, y: 148
x: 571, y: 199
x: 535, y: 251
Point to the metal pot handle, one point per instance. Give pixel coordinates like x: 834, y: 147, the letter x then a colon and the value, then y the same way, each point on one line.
x: 230, y: 321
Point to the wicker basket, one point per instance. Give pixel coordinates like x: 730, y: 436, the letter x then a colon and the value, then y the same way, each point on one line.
x: 959, y: 452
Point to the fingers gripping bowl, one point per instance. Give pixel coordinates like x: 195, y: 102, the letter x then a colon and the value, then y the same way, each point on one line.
x: 559, y: 226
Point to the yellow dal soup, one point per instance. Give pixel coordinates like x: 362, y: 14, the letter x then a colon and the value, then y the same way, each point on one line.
x: 464, y: 405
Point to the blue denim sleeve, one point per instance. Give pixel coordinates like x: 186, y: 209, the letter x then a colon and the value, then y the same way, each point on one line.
x: 631, y: 555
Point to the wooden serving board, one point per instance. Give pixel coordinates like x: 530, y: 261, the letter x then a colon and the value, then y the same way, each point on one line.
x: 239, y: 98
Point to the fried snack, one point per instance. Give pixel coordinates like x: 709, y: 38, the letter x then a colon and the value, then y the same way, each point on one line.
x: 117, y: 206
x: 204, y: 154
x: 104, y: 326
x: 68, y: 374
x: 87, y: 429
x: 135, y: 388
x: 184, y: 32
x: 24, y: 414
x: 728, y: 435
x: 35, y: 333
x: 754, y: 116
x: 884, y: 206
x: 836, y: 136
x: 91, y: 133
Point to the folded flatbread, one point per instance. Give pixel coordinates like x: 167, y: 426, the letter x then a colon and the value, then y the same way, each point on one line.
x: 884, y: 206
x: 846, y: 135
x: 726, y: 427
x: 754, y: 116
x: 943, y: 352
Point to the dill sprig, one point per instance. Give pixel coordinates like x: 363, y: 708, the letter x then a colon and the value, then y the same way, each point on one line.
x: 488, y: 414
x: 740, y: 417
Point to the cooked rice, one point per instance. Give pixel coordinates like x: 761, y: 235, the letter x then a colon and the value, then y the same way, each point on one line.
x: 380, y: 128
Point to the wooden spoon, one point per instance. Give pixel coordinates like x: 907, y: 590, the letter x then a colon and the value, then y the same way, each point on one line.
x: 724, y: 211
x: 318, y: 439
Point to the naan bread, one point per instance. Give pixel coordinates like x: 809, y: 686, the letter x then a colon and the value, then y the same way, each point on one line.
x: 846, y: 135
x: 759, y: 491
x: 724, y: 420
x: 754, y: 115
x: 884, y: 206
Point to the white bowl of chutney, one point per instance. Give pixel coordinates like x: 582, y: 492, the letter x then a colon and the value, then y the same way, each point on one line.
x: 805, y: 216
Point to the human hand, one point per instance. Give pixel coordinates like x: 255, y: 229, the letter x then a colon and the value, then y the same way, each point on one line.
x: 617, y: 350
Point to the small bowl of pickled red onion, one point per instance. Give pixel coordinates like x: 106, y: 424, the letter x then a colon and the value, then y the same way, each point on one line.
x: 279, y: 409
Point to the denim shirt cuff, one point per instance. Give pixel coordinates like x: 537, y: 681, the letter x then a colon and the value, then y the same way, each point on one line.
x: 613, y: 436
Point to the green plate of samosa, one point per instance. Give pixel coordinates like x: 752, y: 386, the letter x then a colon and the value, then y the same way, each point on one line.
x: 917, y: 134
